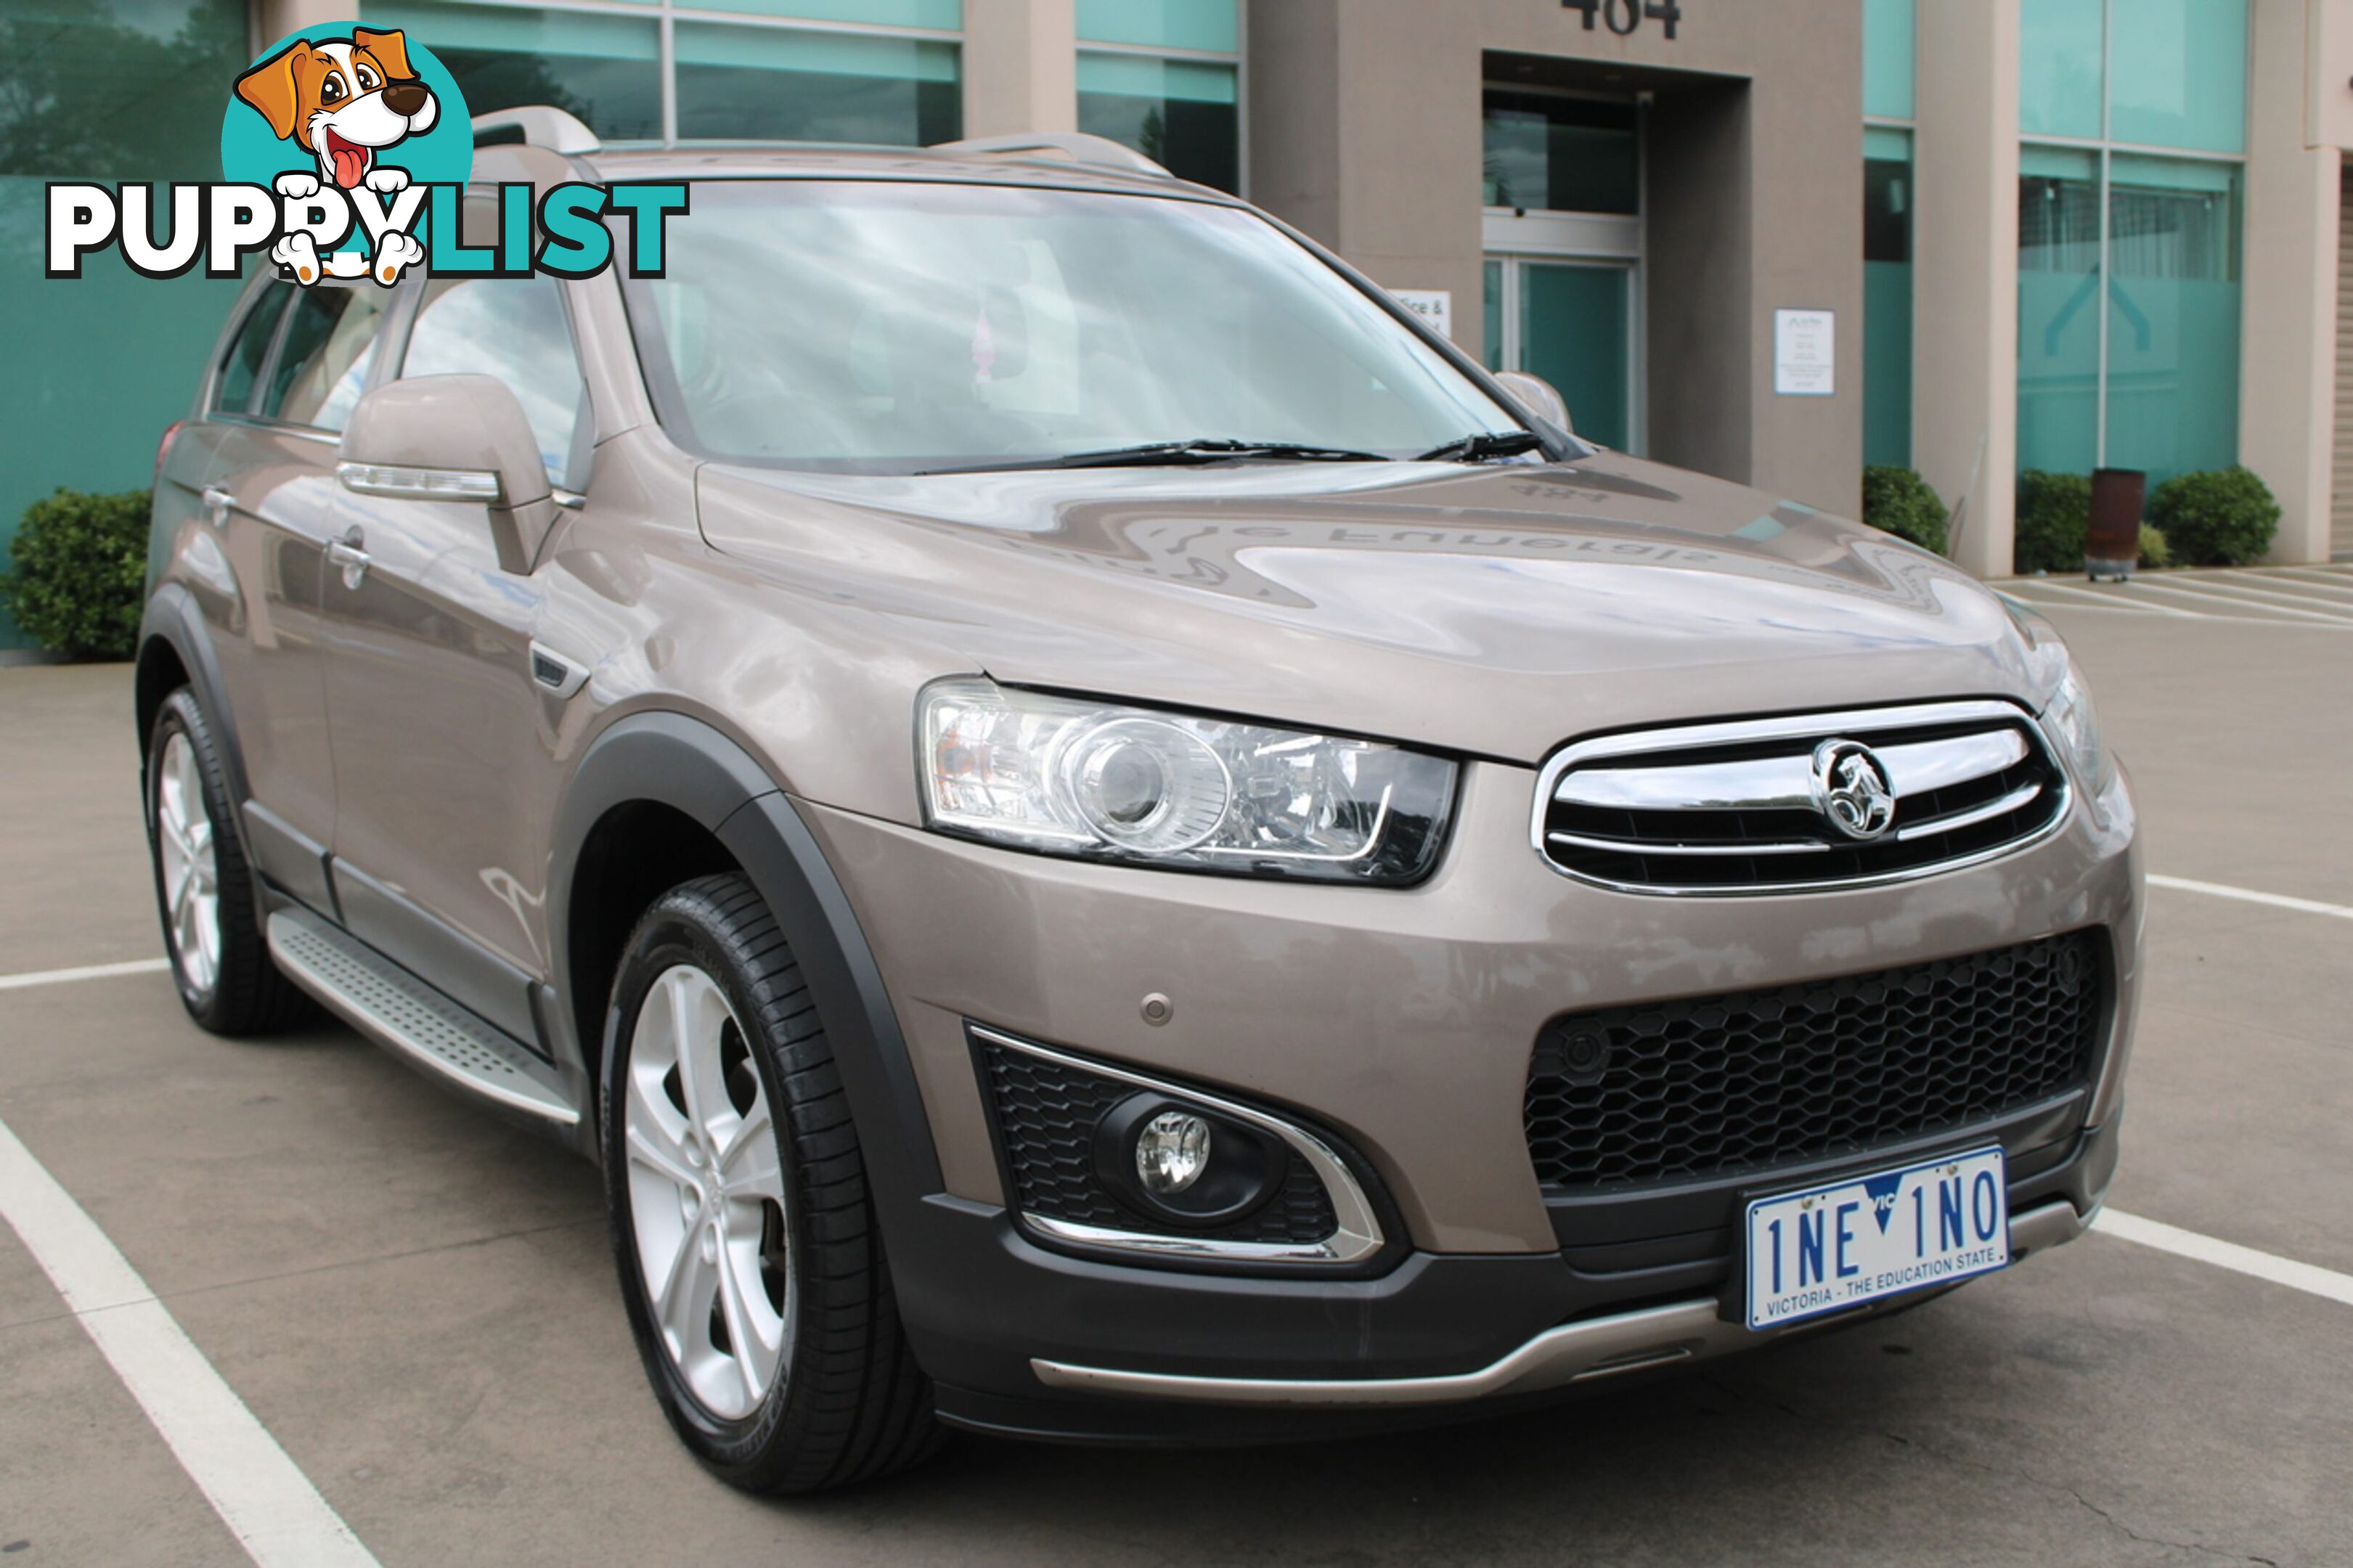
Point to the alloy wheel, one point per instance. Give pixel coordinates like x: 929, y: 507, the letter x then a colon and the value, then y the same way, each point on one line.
x: 191, y: 870
x: 707, y: 1203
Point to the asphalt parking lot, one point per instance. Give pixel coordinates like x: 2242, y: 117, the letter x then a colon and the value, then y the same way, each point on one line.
x: 418, y: 1303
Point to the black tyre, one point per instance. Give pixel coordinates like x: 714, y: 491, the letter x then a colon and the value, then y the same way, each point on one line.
x: 208, y: 897
x: 751, y: 1263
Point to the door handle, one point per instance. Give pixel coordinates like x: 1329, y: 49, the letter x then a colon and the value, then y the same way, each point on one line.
x: 216, y: 505
x: 346, y: 553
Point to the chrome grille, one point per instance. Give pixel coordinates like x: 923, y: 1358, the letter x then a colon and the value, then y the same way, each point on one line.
x: 1742, y: 807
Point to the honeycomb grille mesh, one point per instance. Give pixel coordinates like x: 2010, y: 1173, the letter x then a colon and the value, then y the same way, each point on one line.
x: 1671, y: 1090
x: 1046, y: 1115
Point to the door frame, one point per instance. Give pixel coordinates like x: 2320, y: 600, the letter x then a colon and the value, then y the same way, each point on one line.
x: 1602, y: 240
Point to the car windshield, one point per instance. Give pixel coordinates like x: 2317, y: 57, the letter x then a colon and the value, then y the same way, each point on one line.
x: 896, y: 327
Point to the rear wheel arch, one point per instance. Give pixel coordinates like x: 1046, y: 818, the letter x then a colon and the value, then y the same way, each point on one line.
x: 174, y: 650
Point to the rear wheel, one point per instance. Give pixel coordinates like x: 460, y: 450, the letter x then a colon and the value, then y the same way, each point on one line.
x: 208, y: 897
x: 746, y: 1236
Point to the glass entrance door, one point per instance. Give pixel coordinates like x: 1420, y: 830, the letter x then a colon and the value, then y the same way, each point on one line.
x: 1571, y: 322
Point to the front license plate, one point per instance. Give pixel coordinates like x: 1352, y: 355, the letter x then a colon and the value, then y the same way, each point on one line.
x: 1837, y: 1247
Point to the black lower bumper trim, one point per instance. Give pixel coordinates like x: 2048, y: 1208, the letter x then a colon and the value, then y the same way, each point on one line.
x: 983, y: 1301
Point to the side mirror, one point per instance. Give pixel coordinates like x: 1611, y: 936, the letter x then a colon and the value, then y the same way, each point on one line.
x: 1537, y: 396
x: 453, y: 438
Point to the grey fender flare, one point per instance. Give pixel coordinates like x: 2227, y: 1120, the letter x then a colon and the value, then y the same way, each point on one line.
x: 171, y: 617
x: 688, y: 765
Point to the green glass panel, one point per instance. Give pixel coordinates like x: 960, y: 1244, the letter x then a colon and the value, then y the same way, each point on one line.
x: 603, y: 69
x: 2058, y: 67
x: 1885, y: 141
x: 1575, y: 333
x: 1887, y: 301
x: 2059, y: 319
x: 1181, y: 115
x: 1887, y: 31
x: 816, y: 54
x: 766, y: 83
x: 1491, y: 343
x: 1887, y: 363
x: 101, y: 90
x: 1209, y: 25
x: 1143, y: 76
x: 947, y: 15
x: 2173, y: 316
x: 2180, y: 77
x: 1561, y: 154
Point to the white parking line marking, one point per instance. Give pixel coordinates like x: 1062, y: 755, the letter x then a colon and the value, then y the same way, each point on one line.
x: 266, y: 1500
x: 2018, y: 590
x: 87, y: 972
x: 2248, y: 895
x: 2209, y: 596
x: 2228, y: 1255
x: 2236, y: 588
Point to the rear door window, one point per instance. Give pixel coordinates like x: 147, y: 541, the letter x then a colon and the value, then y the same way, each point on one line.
x: 323, y: 363
x: 241, y: 367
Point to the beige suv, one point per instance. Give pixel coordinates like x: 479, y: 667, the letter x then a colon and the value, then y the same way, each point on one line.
x: 1105, y: 838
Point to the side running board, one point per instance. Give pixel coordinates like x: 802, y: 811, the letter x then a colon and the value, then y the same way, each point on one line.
x: 400, y: 1012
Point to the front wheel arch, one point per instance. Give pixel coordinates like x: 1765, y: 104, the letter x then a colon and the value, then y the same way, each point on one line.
x: 684, y: 773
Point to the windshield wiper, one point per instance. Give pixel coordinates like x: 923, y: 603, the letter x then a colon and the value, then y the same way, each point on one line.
x: 1175, y: 453
x: 1486, y: 443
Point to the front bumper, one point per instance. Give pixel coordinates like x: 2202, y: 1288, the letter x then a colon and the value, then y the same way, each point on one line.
x: 1403, y: 1020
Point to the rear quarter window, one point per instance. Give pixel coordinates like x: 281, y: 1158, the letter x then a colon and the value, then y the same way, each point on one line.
x: 240, y: 367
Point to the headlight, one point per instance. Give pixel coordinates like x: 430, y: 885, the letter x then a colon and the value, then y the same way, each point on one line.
x: 2074, y: 724
x: 2068, y: 717
x: 1107, y: 783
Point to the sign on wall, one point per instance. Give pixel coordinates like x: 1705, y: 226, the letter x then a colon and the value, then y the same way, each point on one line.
x: 1805, y: 354
x: 1434, y: 306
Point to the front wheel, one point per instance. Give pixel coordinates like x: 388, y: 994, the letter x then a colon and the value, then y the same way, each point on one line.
x: 750, y: 1259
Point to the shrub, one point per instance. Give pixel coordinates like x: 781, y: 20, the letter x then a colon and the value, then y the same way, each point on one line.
x: 81, y: 564
x: 2155, y: 556
x: 1900, y: 502
x: 2054, y: 514
x: 2223, y: 517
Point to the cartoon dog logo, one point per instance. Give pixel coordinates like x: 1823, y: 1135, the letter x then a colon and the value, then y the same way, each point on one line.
x: 343, y: 103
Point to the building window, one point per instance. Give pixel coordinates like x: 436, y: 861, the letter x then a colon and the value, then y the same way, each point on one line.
x: 1888, y: 28
x: 805, y: 70
x: 2129, y: 290
x: 1886, y: 296
x: 1551, y: 151
x: 1164, y: 76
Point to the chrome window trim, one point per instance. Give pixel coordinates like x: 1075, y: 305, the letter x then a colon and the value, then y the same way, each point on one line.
x: 1356, y: 1238
x: 1858, y: 723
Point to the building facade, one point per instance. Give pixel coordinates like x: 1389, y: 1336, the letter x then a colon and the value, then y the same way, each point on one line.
x: 1769, y: 239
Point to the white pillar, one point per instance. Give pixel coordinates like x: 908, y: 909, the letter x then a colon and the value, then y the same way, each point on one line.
x: 2287, y: 335
x: 1965, y: 271
x: 1020, y: 66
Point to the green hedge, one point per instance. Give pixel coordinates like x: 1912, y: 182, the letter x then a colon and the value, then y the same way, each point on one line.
x: 2222, y: 516
x: 2155, y: 556
x: 2054, y: 514
x: 81, y: 564
x: 1900, y: 502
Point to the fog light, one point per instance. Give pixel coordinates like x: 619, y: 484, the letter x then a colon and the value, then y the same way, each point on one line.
x: 1171, y: 1152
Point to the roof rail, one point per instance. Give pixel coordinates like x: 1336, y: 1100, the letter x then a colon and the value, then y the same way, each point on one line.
x: 1076, y: 145
x: 534, y: 125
